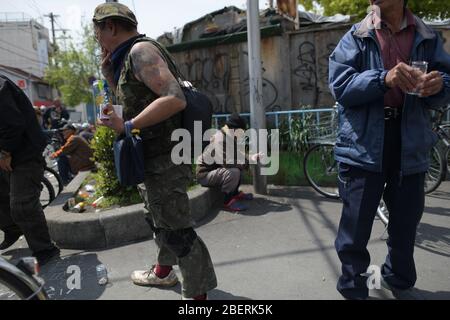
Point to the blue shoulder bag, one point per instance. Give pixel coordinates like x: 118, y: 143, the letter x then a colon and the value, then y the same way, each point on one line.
x: 129, y: 158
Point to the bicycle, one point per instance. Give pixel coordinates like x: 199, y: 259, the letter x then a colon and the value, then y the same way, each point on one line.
x: 47, y: 193
x: 21, y: 281
x: 319, y: 166
x: 321, y: 169
x: 440, y: 156
x: 55, y: 179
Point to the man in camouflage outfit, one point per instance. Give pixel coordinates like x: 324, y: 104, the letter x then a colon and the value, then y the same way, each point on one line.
x: 141, y: 74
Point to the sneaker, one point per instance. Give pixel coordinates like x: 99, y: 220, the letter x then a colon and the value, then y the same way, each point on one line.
x: 403, y: 294
x: 45, y: 256
x: 235, y: 206
x: 244, y: 196
x: 149, y: 278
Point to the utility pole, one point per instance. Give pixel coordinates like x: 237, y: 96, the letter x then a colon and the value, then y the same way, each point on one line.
x: 257, y: 113
x: 52, y: 21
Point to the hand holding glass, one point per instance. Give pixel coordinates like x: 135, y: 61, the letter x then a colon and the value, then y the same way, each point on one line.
x: 421, y: 67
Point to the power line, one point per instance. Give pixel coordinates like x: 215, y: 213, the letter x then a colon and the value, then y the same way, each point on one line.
x: 35, y: 5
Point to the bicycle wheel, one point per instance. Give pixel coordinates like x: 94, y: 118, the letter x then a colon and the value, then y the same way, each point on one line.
x: 448, y: 162
x: 55, y: 179
x: 436, y: 171
x: 383, y: 213
x: 321, y: 170
x: 12, y: 288
x: 47, y: 193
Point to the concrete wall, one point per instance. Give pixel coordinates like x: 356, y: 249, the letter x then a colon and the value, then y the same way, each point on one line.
x: 295, y: 70
x: 24, y: 45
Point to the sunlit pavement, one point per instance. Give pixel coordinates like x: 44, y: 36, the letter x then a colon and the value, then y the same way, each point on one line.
x: 282, y: 248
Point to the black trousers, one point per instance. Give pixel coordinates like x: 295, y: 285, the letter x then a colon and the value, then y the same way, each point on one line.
x: 361, y: 192
x: 20, y: 208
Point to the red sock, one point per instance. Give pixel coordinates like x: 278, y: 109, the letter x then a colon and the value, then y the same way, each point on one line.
x: 162, y: 271
x: 201, y: 297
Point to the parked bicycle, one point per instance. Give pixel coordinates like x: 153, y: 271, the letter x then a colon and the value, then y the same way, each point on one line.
x: 47, y: 193
x: 55, y: 179
x: 21, y: 281
x: 52, y: 184
x: 319, y: 166
x: 321, y: 169
x: 440, y: 156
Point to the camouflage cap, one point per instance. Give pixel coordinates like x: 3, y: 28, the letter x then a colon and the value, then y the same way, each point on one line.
x: 114, y: 10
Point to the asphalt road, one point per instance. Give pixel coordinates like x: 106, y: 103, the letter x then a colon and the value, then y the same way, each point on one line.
x: 282, y: 248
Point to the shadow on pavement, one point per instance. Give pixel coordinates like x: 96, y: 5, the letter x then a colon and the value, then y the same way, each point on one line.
x: 13, y: 255
x: 73, y: 278
x: 222, y: 295
x: 439, y: 295
x: 262, y: 206
x: 439, y: 194
x: 433, y: 239
x: 298, y: 193
x: 437, y: 211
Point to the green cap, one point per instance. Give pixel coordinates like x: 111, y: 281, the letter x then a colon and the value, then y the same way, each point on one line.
x: 114, y: 10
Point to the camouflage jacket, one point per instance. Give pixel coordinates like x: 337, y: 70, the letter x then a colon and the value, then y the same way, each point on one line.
x: 135, y: 96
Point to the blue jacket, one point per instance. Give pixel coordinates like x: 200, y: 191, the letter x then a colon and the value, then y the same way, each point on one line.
x: 356, y: 80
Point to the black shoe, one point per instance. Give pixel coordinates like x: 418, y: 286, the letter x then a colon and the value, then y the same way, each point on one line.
x: 403, y: 294
x: 10, y: 239
x: 45, y: 256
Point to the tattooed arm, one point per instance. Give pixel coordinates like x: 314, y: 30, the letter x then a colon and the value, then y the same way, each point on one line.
x: 151, y: 69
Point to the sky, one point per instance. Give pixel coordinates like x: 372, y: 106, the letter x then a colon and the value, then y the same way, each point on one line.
x: 154, y: 16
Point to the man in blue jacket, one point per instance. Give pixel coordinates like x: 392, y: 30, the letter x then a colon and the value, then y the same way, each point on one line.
x: 384, y: 138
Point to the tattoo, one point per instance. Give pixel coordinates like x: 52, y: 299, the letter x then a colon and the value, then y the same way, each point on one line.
x: 150, y: 68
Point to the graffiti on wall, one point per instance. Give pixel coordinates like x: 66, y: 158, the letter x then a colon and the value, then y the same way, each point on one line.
x: 310, y: 70
x: 270, y: 91
x: 212, y: 75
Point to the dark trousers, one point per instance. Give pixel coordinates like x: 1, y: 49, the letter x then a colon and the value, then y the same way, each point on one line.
x: 64, y: 169
x: 20, y: 208
x: 361, y: 192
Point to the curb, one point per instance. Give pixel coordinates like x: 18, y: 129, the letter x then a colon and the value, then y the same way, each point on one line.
x: 112, y: 227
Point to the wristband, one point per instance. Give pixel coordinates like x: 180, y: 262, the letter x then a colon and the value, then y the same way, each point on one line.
x: 130, y: 130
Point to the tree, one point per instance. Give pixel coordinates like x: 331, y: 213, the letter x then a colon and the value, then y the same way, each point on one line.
x: 73, y: 67
x: 429, y: 9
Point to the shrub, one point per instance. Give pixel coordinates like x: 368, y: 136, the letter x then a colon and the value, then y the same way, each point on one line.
x: 107, y: 184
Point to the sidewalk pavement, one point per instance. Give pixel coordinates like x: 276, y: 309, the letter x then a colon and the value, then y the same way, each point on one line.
x: 282, y: 248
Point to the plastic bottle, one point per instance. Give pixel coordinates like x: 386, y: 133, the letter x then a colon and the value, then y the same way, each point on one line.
x: 101, y: 97
x: 102, y: 274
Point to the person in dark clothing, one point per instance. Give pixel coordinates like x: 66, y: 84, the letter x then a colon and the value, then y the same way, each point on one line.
x: 54, y: 117
x: 21, y: 171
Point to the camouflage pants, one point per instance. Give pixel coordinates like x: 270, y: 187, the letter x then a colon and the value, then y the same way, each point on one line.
x: 167, y: 202
x: 20, y: 208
